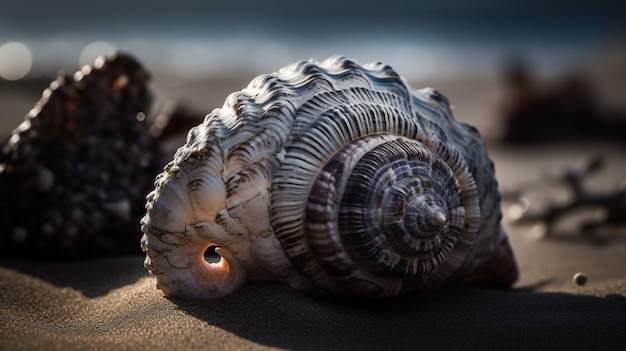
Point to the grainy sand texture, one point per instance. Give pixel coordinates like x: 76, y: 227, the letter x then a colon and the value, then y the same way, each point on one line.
x: 112, y: 303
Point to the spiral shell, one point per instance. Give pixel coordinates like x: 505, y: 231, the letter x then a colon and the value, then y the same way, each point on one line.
x: 334, y: 178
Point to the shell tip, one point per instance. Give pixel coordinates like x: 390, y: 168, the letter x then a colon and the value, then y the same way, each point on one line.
x: 438, y: 218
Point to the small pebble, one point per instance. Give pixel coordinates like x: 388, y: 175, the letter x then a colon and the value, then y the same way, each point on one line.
x: 580, y: 278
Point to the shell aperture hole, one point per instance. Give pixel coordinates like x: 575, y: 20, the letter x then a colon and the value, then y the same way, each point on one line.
x: 210, y: 255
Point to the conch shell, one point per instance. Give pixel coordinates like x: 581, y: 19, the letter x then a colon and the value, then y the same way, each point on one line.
x: 334, y: 178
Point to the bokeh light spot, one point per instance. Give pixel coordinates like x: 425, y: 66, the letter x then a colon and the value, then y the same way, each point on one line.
x: 15, y: 60
x: 92, y: 51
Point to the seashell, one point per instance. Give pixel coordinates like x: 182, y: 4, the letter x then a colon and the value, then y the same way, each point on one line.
x: 334, y: 178
x: 74, y: 174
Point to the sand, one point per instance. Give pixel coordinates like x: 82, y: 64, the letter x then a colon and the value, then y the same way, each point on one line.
x: 112, y: 303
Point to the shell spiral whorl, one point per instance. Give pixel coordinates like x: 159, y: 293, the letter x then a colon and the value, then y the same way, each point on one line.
x: 331, y: 177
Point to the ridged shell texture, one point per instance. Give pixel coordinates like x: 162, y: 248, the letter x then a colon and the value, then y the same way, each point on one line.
x: 334, y: 178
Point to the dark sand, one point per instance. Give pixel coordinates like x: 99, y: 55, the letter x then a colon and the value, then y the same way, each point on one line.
x: 113, y: 304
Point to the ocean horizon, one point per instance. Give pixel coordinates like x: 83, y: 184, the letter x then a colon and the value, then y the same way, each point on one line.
x: 196, y: 40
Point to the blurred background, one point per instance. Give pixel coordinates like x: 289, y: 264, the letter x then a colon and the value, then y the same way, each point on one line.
x: 523, y: 72
x: 489, y: 57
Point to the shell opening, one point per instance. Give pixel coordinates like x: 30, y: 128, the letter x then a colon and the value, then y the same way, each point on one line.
x: 191, y: 268
x: 211, y: 256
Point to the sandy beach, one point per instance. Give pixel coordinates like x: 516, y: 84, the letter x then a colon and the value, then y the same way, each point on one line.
x: 112, y: 303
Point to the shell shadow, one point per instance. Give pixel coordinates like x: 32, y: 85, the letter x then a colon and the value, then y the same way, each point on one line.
x: 458, y: 318
x: 93, y: 278
x: 534, y: 286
